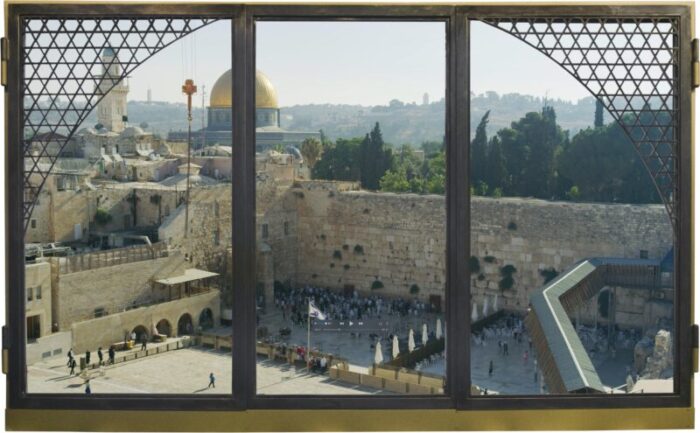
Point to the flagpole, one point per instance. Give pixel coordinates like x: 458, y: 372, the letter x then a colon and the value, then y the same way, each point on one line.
x: 308, y: 333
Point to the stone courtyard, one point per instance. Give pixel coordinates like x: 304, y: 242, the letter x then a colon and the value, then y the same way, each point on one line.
x: 184, y: 371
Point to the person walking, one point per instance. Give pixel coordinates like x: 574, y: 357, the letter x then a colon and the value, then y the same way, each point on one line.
x: 72, y: 366
x: 505, y: 348
x: 490, y: 368
x: 87, y: 358
x: 99, y: 355
x: 144, y: 342
x: 88, y: 391
x: 212, y: 381
x: 70, y: 357
x: 111, y: 355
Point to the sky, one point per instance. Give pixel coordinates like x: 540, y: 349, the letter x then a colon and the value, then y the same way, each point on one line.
x: 366, y: 63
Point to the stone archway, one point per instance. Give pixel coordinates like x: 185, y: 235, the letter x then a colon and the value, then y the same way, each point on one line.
x: 164, y: 328
x: 206, y: 319
x: 185, y: 325
x: 140, y: 331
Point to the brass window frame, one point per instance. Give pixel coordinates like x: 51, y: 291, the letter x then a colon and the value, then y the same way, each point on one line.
x: 244, y: 408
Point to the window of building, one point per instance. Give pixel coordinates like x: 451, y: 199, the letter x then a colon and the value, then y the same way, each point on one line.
x: 540, y: 219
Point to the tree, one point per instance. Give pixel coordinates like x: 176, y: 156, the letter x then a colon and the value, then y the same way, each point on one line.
x: 339, y: 161
x: 603, y: 166
x: 598, y: 120
x: 311, y: 150
x: 495, y: 170
x: 375, y: 159
x: 478, y: 151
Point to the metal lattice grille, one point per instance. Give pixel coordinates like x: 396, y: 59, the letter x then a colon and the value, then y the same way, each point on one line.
x: 68, y: 66
x: 631, y: 66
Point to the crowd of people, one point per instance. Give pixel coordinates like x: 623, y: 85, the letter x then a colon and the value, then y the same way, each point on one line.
x: 293, y: 302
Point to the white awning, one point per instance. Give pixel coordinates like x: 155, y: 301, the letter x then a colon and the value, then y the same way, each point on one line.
x: 190, y: 275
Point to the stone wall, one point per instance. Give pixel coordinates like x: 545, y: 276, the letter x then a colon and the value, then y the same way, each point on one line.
x: 342, y: 237
x: 103, y: 331
x: 112, y: 288
x: 38, y: 279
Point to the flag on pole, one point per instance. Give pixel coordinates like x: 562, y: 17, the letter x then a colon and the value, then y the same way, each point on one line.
x: 315, y: 312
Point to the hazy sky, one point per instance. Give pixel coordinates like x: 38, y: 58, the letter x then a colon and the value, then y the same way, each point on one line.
x: 366, y: 63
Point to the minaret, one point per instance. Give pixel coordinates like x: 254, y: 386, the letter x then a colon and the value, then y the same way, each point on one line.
x: 111, y: 110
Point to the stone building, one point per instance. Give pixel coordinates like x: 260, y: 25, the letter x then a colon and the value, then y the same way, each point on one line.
x: 111, y: 110
x: 268, y: 132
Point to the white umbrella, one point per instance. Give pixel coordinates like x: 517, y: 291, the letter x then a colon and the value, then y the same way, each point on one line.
x: 475, y: 314
x: 411, y: 341
x: 485, y: 310
x: 424, y: 339
x: 395, y: 347
x: 495, y: 302
x: 378, y: 357
x: 438, y: 329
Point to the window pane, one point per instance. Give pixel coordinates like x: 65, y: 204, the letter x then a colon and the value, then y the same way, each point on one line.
x: 127, y: 281
x: 350, y: 207
x: 572, y: 248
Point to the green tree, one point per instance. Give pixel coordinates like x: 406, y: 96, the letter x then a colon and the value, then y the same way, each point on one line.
x: 603, y: 166
x: 598, y: 120
x: 311, y: 149
x: 478, y: 151
x: 495, y: 172
x: 339, y: 161
x: 375, y: 159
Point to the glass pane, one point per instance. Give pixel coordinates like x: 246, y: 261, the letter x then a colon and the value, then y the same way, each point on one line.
x: 128, y: 243
x: 572, y: 248
x: 350, y: 207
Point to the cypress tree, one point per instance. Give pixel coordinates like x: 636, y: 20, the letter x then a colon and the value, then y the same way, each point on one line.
x: 598, y: 121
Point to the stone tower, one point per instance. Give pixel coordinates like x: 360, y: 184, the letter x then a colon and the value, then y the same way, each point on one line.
x: 111, y: 110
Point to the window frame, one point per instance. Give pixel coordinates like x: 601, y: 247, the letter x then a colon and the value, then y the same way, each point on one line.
x: 457, y: 288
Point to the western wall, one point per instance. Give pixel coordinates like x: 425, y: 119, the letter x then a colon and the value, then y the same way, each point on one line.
x: 330, y: 234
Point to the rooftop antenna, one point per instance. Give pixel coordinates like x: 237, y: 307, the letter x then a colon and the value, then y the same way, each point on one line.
x: 188, y: 89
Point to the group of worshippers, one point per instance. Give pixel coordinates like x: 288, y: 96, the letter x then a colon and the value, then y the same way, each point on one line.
x: 72, y: 363
x: 294, y: 303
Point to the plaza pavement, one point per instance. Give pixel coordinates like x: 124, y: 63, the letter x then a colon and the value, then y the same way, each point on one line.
x: 183, y: 371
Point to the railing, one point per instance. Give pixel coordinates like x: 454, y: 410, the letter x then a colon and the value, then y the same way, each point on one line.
x: 113, y: 257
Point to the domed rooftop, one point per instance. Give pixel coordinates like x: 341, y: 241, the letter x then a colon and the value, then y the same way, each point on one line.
x: 265, y: 94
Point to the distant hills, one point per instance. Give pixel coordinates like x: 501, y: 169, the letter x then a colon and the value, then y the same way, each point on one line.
x: 401, y: 123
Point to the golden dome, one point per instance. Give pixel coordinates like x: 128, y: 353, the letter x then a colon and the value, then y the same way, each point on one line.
x: 265, y: 94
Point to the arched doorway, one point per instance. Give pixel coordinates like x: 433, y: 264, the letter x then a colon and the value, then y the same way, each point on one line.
x: 163, y: 327
x: 184, y: 325
x: 140, y: 332
x: 206, y: 319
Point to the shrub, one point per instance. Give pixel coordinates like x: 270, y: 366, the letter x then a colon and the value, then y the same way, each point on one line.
x: 332, y: 265
x: 376, y: 285
x: 345, y: 247
x: 337, y: 255
x: 481, y: 277
x: 414, y: 290
x: 359, y: 249
x: 506, y: 283
x: 102, y: 217
x: 549, y: 274
x: 508, y: 270
x: 489, y: 259
x: 474, y: 266
x: 512, y: 225
x: 346, y: 266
